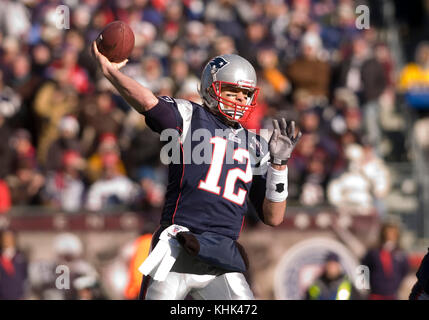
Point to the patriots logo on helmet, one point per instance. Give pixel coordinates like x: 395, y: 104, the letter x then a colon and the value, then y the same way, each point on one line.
x: 217, y: 63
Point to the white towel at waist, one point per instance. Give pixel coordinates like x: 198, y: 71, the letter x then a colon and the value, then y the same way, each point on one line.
x: 162, y: 258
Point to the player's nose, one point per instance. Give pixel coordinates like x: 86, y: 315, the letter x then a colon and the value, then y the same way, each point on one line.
x: 241, y: 96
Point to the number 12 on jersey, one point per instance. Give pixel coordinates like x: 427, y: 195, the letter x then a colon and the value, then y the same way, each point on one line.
x: 211, y: 183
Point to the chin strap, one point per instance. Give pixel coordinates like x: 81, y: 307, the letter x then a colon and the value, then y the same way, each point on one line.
x: 222, y: 118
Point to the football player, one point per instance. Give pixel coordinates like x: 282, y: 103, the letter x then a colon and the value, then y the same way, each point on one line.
x: 195, y: 250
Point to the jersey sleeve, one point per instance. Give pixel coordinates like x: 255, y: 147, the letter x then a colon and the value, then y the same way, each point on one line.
x: 423, y: 272
x: 257, y: 194
x: 259, y: 153
x: 165, y: 115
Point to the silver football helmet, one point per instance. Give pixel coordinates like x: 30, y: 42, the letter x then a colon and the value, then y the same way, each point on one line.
x: 226, y: 71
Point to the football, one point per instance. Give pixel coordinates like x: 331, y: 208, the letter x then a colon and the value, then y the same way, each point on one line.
x: 116, y: 41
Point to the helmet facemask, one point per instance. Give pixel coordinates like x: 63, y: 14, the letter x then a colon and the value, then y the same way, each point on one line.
x: 234, y: 110
x: 233, y: 72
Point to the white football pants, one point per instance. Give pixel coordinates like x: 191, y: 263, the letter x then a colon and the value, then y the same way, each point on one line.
x: 200, y: 280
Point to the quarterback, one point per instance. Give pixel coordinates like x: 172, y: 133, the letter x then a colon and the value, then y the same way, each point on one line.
x: 195, y: 250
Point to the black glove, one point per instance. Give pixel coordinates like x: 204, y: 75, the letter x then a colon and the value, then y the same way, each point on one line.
x: 188, y: 242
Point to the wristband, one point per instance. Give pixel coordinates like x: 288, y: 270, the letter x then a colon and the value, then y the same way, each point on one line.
x: 278, y: 161
x: 276, y: 187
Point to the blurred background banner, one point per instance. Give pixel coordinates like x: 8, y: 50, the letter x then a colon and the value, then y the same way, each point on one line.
x: 81, y: 181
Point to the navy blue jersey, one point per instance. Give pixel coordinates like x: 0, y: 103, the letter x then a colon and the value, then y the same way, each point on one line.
x: 210, y: 178
x: 423, y: 273
x: 420, y: 290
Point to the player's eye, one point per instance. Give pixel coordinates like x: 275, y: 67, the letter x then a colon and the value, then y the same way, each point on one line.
x: 244, y: 92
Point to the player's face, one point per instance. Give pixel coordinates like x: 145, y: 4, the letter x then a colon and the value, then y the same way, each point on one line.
x: 8, y: 240
x: 235, y: 94
x: 333, y: 269
x: 391, y: 234
x: 235, y: 102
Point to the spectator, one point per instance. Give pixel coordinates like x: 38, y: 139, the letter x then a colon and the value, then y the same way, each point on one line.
x: 15, y: 18
x: 68, y: 252
x: 108, y: 145
x: 387, y: 263
x: 5, y: 200
x: 196, y: 46
x: 6, y: 152
x: 88, y: 288
x: 100, y: 116
x: 268, y: 60
x: 149, y: 72
x: 64, y: 187
x: 413, y: 80
x: 152, y: 191
x: 344, y: 103
x: 308, y: 71
x: 179, y: 72
x: 377, y: 172
x: 365, y: 76
x: 332, y: 284
x: 53, y: 101
x: 13, y: 268
x: 166, y: 87
x: 141, y: 249
x: 310, y: 171
x: 25, y: 184
x: 10, y: 49
x: 384, y: 57
x: 314, y: 180
x: 143, y: 147
x: 257, y: 37
x: 41, y: 57
x: 68, y: 130
x: 292, y: 26
x: 22, y: 147
x: 226, y: 17
x: 10, y: 101
x: 75, y: 75
x: 309, y: 121
x: 189, y: 90
x: 25, y: 83
x: 302, y: 101
x: 173, y: 22
x: 145, y: 44
x: 224, y: 45
x: 112, y: 189
x: 365, y: 182
x: 299, y: 162
x: 362, y: 73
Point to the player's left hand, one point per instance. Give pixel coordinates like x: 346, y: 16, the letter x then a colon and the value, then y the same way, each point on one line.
x: 283, y: 141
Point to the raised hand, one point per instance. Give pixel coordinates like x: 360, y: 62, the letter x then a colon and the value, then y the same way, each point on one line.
x: 283, y: 141
x: 103, y: 62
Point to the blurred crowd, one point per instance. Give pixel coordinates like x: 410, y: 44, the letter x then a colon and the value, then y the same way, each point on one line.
x: 72, y: 143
